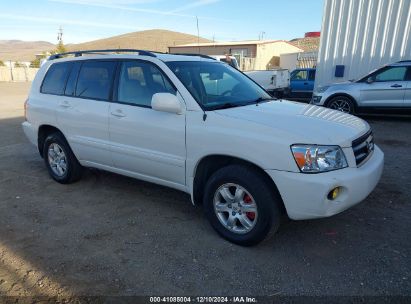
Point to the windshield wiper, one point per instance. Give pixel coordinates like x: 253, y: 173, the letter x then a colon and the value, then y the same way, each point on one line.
x: 261, y: 99
x: 226, y: 105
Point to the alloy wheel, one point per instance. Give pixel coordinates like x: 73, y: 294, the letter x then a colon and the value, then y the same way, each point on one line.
x: 341, y: 105
x: 235, y: 208
x: 57, y: 159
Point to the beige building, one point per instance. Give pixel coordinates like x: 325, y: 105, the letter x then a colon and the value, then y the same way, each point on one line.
x: 251, y: 54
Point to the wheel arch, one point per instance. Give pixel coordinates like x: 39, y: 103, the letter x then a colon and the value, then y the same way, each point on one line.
x: 329, y: 98
x: 43, y: 132
x: 211, y: 163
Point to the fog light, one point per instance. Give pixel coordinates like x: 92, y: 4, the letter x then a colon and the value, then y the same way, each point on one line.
x: 333, y: 193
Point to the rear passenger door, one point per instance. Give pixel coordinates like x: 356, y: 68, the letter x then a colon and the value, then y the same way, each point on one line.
x: 82, y: 112
x: 147, y: 144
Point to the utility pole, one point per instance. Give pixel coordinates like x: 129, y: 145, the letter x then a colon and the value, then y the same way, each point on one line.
x: 198, y: 36
x: 261, y: 36
x: 60, y: 35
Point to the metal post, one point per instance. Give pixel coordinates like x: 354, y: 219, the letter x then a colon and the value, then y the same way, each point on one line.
x: 11, y: 71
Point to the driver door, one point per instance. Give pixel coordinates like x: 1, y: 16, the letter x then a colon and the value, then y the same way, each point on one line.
x: 147, y: 143
x: 386, y: 89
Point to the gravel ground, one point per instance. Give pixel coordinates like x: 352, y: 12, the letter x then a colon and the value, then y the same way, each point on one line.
x: 113, y: 235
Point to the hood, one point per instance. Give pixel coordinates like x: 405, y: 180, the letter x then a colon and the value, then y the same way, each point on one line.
x: 305, y: 124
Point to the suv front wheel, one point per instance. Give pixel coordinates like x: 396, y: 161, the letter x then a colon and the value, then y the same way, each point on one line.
x: 341, y: 103
x: 240, y: 205
x: 60, y: 161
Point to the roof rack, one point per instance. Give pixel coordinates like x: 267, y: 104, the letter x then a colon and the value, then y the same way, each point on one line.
x: 199, y: 55
x: 80, y: 53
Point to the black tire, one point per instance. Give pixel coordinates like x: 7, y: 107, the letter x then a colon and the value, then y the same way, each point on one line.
x: 73, y: 170
x: 268, y: 203
x: 342, y: 103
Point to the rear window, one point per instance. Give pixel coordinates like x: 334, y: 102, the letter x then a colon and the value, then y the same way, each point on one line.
x: 56, y: 78
x: 95, y: 80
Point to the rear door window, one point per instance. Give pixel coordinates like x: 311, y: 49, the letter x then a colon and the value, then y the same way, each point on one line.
x: 72, y: 80
x: 408, y: 77
x: 55, y: 80
x: 95, y: 79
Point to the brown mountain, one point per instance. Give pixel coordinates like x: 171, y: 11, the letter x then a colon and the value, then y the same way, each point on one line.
x: 154, y: 40
x: 17, y: 50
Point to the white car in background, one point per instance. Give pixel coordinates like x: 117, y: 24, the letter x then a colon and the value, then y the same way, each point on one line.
x: 200, y: 126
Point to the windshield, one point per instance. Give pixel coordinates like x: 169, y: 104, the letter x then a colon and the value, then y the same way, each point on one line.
x: 216, y: 86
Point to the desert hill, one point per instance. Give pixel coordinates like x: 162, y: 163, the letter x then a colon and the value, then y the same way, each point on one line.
x: 154, y: 40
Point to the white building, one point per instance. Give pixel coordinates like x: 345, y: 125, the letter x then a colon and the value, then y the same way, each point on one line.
x: 291, y: 61
x: 362, y: 35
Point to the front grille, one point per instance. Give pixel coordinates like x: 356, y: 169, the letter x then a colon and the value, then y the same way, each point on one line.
x: 363, y: 147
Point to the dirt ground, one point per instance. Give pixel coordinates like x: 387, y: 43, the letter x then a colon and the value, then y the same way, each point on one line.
x: 113, y: 235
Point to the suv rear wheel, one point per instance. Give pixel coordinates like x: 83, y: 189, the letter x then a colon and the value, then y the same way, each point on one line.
x: 60, y: 161
x: 240, y: 205
x: 341, y: 103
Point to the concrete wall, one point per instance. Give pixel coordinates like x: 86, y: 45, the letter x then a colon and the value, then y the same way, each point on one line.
x: 292, y: 61
x: 17, y: 74
x: 267, y: 55
x: 362, y: 35
x: 289, y: 61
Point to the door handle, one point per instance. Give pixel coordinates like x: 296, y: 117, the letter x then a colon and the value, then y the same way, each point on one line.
x: 305, y: 83
x: 65, y: 104
x: 396, y: 86
x: 118, y: 113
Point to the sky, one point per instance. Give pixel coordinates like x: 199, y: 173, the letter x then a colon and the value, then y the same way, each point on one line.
x: 221, y: 20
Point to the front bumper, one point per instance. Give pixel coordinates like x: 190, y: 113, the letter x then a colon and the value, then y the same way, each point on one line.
x: 305, y: 195
x: 316, y: 99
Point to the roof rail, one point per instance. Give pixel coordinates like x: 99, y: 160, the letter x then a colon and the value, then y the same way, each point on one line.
x: 199, y: 55
x: 403, y: 61
x: 80, y: 53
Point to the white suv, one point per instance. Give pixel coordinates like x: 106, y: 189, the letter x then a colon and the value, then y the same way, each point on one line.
x: 200, y: 126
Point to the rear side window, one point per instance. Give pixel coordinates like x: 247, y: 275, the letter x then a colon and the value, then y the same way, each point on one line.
x: 95, y: 80
x: 56, y: 78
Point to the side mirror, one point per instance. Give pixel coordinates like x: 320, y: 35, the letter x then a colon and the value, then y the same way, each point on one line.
x: 166, y: 102
x: 370, y: 80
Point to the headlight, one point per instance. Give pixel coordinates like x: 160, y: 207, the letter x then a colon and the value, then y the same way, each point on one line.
x: 322, y: 89
x: 314, y: 159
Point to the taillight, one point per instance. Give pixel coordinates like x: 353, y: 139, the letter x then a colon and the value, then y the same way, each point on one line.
x: 25, y: 109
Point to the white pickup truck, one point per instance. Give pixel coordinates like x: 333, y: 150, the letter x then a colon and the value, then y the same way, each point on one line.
x: 276, y: 82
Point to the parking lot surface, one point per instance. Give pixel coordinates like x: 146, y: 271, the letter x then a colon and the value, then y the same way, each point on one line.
x: 113, y: 235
